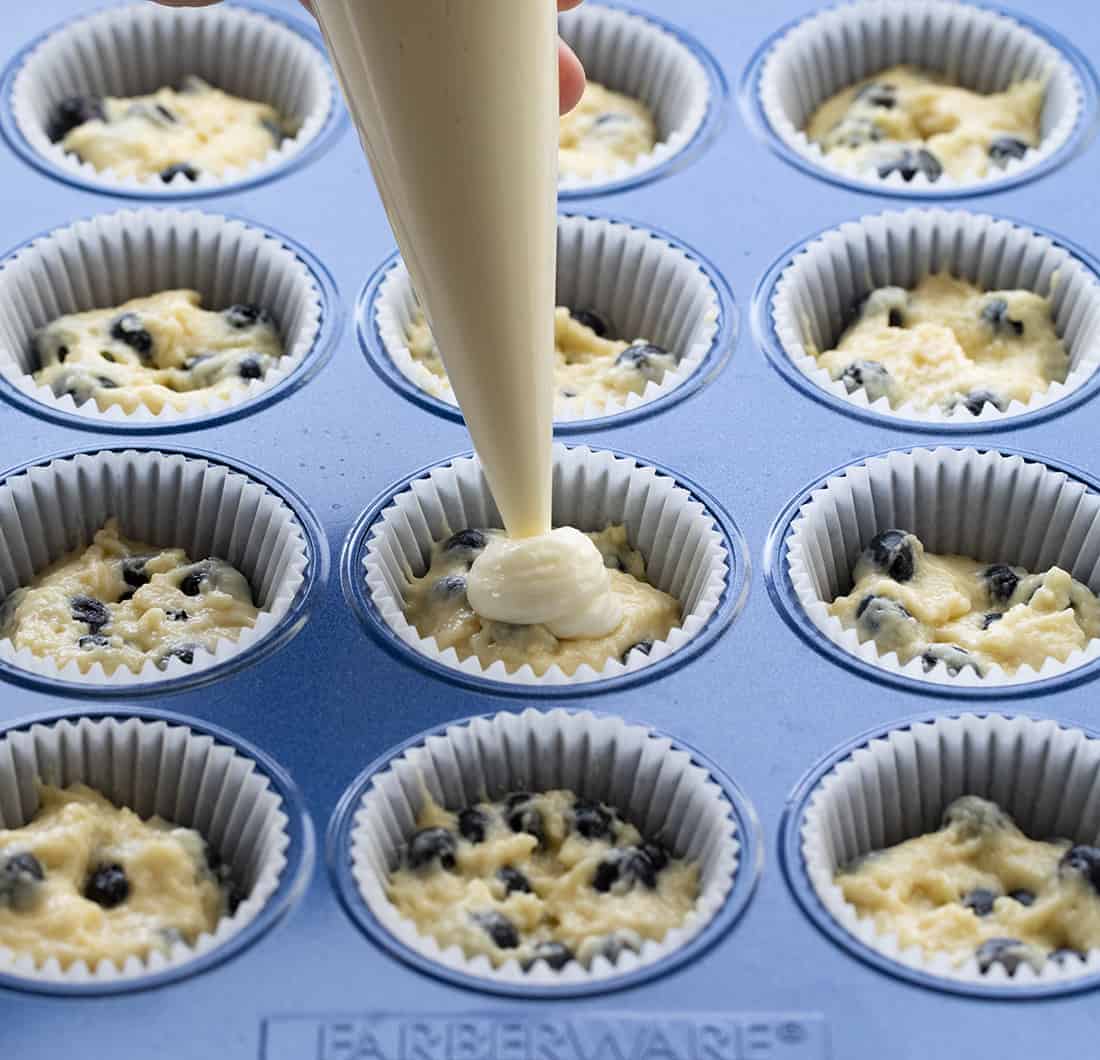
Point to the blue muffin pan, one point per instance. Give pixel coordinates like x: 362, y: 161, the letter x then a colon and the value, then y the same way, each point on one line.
x: 761, y: 703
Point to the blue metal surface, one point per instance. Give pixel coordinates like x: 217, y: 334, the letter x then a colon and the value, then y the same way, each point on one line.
x: 760, y: 702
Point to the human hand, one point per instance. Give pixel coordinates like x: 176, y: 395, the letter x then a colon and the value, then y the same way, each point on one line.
x: 570, y: 71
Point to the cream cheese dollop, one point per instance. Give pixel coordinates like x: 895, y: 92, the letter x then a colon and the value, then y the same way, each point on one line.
x: 557, y: 580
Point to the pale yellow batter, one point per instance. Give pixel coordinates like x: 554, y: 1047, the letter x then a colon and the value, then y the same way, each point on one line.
x: 980, y: 887
x: 963, y: 613
x: 436, y: 605
x: 155, y: 351
x: 946, y: 344
x: 588, y: 365
x: 540, y: 876
x: 87, y: 880
x: 908, y: 121
x: 190, y: 131
x: 119, y: 603
x: 604, y: 129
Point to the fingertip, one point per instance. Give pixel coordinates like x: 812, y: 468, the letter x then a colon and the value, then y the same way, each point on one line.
x: 571, y: 77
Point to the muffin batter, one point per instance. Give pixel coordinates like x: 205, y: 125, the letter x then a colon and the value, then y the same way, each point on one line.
x: 947, y: 344
x: 908, y: 121
x: 87, y: 880
x: 172, y: 133
x: 589, y: 367
x: 155, y: 351
x: 437, y: 605
x: 979, y: 887
x: 119, y: 603
x: 604, y: 129
x: 549, y: 877
x: 963, y: 613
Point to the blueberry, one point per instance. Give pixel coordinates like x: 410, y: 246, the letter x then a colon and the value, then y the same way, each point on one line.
x: 990, y: 617
x: 169, y: 172
x: 91, y: 611
x: 1066, y: 953
x: 909, y: 163
x: 658, y: 856
x: 242, y: 315
x: 629, y: 865
x: 976, y: 401
x: 644, y: 646
x: 466, y: 542
x: 250, y: 367
x: 556, y: 954
x: 867, y: 375
x: 1010, y: 953
x: 431, y: 844
x: 450, y: 587
x: 184, y: 652
x: 891, y: 553
x: 1006, y: 147
x: 952, y: 656
x: 176, y: 615
x: 133, y: 571
x: 20, y: 876
x: 590, y: 319
x: 613, y: 117
x: 995, y: 314
x: 875, y: 611
x: 854, y: 131
x: 615, y: 945
x: 1023, y: 896
x: 129, y: 329
x: 1000, y: 582
x: 592, y: 819
x: 878, y: 95
x: 106, y: 382
x: 514, y: 881
x: 640, y: 357
x: 107, y: 886
x: 522, y: 817
x: 73, y: 111
x: 91, y: 641
x: 473, y: 824
x: 165, y: 114
x: 234, y: 895
x: 980, y: 901
x: 197, y: 579
x: 1084, y: 860
x: 499, y: 928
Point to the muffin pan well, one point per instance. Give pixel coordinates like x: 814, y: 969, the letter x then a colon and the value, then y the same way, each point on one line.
x: 752, y: 697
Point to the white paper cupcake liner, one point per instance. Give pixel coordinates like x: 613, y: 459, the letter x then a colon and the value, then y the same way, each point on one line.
x: 974, y: 47
x: 685, y: 552
x: 107, y: 260
x: 898, y: 785
x: 151, y: 767
x: 138, y: 48
x: 644, y: 286
x: 990, y: 506
x: 170, y: 500
x: 631, y: 54
x: 815, y: 295
x: 655, y: 786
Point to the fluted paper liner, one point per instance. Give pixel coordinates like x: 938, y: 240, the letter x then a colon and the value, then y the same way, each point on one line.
x: 974, y: 47
x: 683, y: 549
x: 653, y: 785
x: 992, y: 507
x: 165, y: 499
x: 897, y: 786
x: 644, y: 286
x: 628, y: 53
x: 815, y: 295
x: 138, y: 48
x: 107, y: 260
x: 151, y: 767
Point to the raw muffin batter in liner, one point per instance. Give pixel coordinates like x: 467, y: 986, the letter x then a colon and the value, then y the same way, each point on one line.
x: 962, y: 613
x: 909, y: 122
x: 589, y: 364
x: 171, y: 133
x: 605, y: 129
x: 120, y: 603
x: 156, y: 351
x: 980, y: 888
x: 946, y: 344
x: 437, y: 606
x: 539, y: 877
x: 85, y: 880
